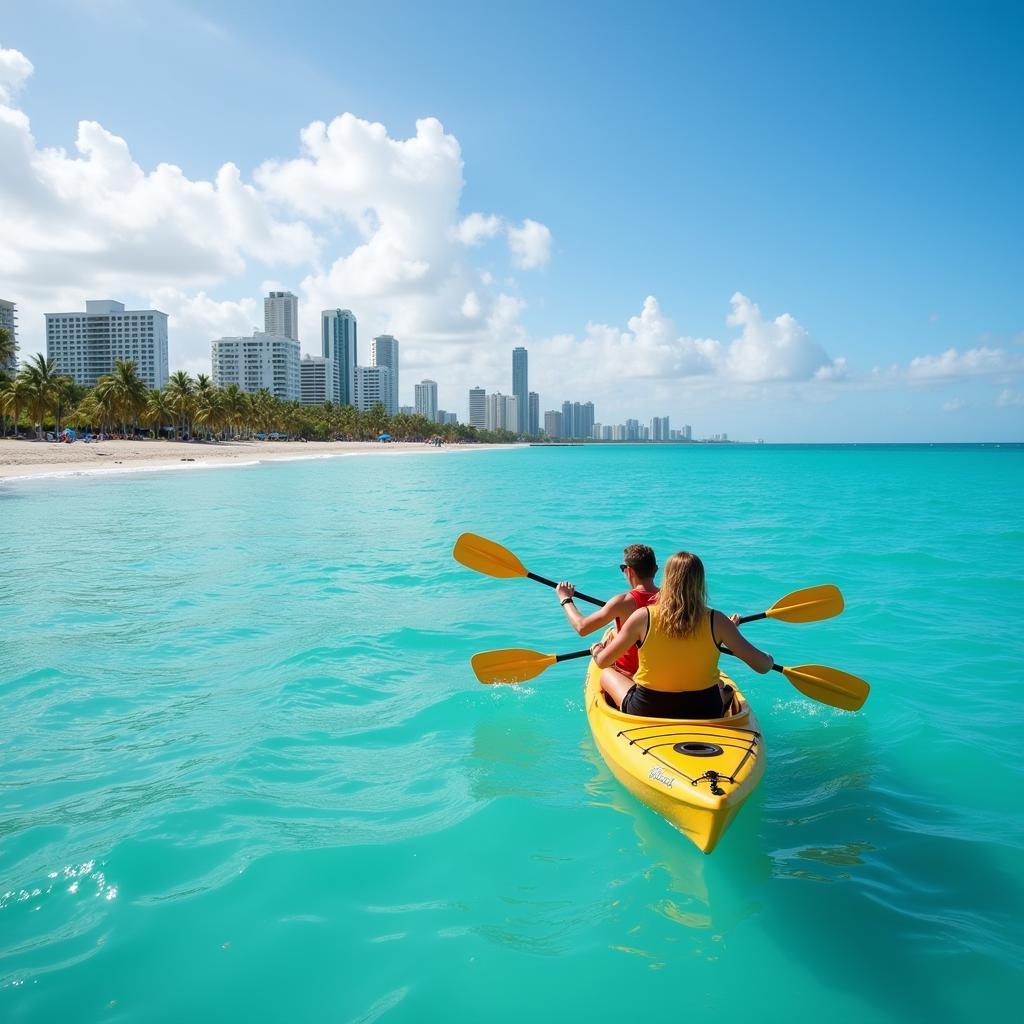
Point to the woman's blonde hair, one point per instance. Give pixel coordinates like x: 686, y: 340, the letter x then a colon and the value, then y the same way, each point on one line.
x: 683, y: 598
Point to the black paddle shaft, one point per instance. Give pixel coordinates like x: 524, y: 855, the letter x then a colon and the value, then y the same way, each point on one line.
x: 552, y: 584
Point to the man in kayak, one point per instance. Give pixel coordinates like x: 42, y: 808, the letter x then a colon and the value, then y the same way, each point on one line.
x: 640, y: 567
x: 679, y: 638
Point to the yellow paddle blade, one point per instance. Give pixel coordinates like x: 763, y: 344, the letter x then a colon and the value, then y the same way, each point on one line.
x: 485, y: 556
x: 829, y: 686
x: 810, y: 605
x: 511, y: 666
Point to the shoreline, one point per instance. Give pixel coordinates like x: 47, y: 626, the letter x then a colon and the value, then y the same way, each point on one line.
x: 22, y: 461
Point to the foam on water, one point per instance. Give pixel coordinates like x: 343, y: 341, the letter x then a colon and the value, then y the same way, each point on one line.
x: 248, y: 774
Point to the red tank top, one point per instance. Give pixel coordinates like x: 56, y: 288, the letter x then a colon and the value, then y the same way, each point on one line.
x: 630, y: 661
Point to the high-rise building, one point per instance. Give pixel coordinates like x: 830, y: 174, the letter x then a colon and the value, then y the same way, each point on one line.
x: 606, y: 432
x: 269, y: 361
x: 318, y: 383
x: 384, y: 352
x: 85, y: 345
x: 568, y: 423
x: 584, y: 418
x: 660, y: 429
x: 632, y: 430
x: 520, y: 388
x: 281, y: 315
x: 687, y: 432
x: 338, y: 337
x: 9, y: 319
x: 553, y: 423
x: 373, y: 385
x: 502, y: 412
x: 426, y: 400
x: 478, y: 408
x: 533, y: 419
x: 448, y: 418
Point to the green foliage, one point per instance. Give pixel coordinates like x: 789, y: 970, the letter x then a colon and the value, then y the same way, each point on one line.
x: 190, y: 406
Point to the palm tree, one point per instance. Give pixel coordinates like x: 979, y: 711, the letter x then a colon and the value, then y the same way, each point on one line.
x: 209, y: 407
x: 158, y: 411
x: 234, y: 407
x: 40, y: 374
x: 180, y: 391
x: 123, y: 392
x: 14, y: 398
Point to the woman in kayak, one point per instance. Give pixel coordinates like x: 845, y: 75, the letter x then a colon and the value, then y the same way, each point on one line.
x: 679, y: 639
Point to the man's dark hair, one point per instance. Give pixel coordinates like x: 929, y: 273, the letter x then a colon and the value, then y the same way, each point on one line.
x: 640, y: 558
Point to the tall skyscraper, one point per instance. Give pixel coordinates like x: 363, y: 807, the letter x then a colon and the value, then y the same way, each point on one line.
x: 584, y: 419
x: 533, y: 419
x: 568, y: 423
x: 9, y: 319
x: 553, y: 423
x: 384, y: 352
x: 426, y: 400
x: 520, y: 387
x: 86, y: 345
x: 338, y: 335
x: 478, y: 408
x: 281, y: 315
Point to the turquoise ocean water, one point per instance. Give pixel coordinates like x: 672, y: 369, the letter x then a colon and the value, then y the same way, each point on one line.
x: 248, y: 775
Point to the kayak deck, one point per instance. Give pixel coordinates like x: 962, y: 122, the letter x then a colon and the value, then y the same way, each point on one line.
x: 695, y: 773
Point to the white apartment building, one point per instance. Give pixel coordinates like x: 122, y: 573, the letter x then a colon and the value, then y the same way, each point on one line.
x: 384, y: 352
x: 502, y: 412
x: 9, y: 319
x: 268, y: 361
x: 318, y: 382
x: 426, y: 400
x: 373, y: 384
x: 86, y: 345
x: 281, y: 315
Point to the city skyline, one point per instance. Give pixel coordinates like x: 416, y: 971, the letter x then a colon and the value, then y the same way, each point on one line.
x: 779, y: 243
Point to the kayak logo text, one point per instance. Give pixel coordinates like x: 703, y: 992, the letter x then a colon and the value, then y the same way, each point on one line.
x: 659, y: 776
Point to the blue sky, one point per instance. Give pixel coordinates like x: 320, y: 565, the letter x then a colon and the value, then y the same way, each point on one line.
x: 853, y: 166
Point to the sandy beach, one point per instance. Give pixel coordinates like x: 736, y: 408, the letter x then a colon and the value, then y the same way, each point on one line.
x: 23, y: 459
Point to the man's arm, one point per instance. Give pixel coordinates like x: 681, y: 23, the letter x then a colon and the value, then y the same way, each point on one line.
x: 619, y: 607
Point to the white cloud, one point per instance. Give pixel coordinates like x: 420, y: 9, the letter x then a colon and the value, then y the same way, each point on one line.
x: 954, y: 365
x: 530, y: 244
x: 15, y: 69
x: 653, y: 349
x: 954, y: 405
x: 472, y: 230
x: 1009, y: 399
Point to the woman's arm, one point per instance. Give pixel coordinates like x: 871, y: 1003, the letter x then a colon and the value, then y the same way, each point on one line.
x: 607, y: 653
x: 617, y: 608
x: 727, y: 632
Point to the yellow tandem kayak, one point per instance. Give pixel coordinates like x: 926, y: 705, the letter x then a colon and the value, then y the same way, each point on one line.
x: 695, y: 773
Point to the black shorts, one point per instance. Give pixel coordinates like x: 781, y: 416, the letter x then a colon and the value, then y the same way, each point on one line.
x: 639, y: 700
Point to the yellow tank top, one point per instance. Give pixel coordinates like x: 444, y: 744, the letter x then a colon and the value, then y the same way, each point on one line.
x: 676, y: 665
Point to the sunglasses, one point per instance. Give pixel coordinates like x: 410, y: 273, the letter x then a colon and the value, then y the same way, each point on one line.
x: 623, y: 567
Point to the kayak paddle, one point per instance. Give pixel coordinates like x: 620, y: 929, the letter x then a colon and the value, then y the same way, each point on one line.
x: 809, y: 605
x: 819, y: 682
x: 492, y: 559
